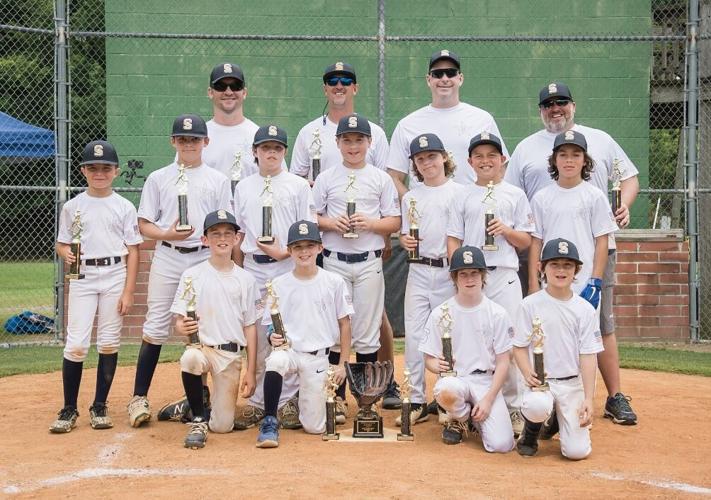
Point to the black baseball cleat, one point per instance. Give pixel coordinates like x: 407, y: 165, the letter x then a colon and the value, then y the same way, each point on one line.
x: 550, y: 427
x: 391, y: 398
x: 179, y: 411
x: 618, y: 409
x: 453, y: 431
x: 527, y: 444
x: 197, y: 436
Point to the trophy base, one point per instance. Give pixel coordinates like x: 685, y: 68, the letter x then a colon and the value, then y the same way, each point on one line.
x: 405, y: 437
x: 449, y: 373
x: 414, y: 260
x: 284, y: 347
x: 266, y: 239
x: 76, y: 276
x: 541, y: 388
x: 490, y: 248
x: 368, y: 426
x: 181, y: 228
x: 350, y: 236
x: 330, y: 437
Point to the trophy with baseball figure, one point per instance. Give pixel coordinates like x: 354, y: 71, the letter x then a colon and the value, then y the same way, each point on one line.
x: 190, y: 297
x: 405, y: 433
x: 446, y: 323
x: 331, y: 386
x: 537, y: 338
x: 277, y: 321
x: 414, y: 218
x: 77, y: 228
x: 616, y: 192
x: 315, y: 151
x: 236, y: 171
x: 182, y: 183
x: 351, y: 189
x: 267, y: 210
x: 490, y: 203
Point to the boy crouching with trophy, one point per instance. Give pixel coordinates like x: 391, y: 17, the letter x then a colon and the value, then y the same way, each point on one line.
x: 216, y: 308
x: 467, y: 341
x: 310, y: 308
x: 557, y: 324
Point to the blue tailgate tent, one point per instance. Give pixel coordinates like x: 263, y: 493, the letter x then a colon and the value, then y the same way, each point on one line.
x: 22, y: 140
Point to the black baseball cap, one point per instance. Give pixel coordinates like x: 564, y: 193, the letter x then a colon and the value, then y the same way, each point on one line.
x: 99, y: 152
x: 485, y: 138
x: 219, y: 217
x: 467, y: 257
x: 553, y: 90
x: 353, y: 123
x: 226, y: 70
x: 570, y: 137
x: 189, y: 126
x: 444, y: 54
x: 267, y: 133
x: 560, y: 249
x: 303, y: 230
x: 339, y: 69
x: 425, y: 142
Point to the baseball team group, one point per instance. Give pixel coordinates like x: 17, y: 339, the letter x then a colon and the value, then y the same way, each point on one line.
x: 512, y: 261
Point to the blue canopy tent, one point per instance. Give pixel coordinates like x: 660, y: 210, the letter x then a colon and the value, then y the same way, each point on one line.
x: 22, y: 140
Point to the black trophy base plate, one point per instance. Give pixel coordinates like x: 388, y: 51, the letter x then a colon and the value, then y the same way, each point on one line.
x: 368, y: 427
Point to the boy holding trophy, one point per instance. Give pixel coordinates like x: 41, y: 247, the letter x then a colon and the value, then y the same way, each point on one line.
x: 98, y: 237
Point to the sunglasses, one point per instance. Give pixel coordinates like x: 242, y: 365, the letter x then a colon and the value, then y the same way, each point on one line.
x: 221, y: 86
x: 344, y: 80
x: 439, y: 73
x: 556, y: 102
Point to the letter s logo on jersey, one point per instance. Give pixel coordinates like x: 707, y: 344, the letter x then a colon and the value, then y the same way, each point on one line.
x: 227, y: 68
x: 98, y: 151
x: 563, y: 247
x: 353, y: 122
x: 188, y: 124
x: 423, y: 142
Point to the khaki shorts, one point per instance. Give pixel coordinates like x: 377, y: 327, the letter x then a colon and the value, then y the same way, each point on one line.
x: 607, y: 317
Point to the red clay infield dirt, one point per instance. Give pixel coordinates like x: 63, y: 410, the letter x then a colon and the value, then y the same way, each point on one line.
x: 666, y: 455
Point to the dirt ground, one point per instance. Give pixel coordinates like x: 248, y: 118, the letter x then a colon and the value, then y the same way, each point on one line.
x: 666, y: 455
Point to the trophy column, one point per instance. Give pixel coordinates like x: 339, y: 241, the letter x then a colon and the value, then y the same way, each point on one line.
x: 277, y: 321
x: 446, y: 323
x: 414, y: 219
x: 236, y: 171
x: 537, y: 337
x: 267, y: 202
x: 405, y: 433
x: 183, y: 224
x: 75, y: 268
x: 190, y: 297
x: 315, y: 151
x: 616, y: 191
x: 331, y: 386
x: 490, y: 201
x: 351, y: 188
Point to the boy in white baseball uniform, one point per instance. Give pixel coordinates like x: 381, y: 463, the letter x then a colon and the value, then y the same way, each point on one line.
x: 290, y: 199
x: 108, y: 228
x: 480, y: 333
x: 315, y: 310
x: 428, y: 207
x: 353, y: 242
x: 510, y: 226
x: 571, y: 340
x: 207, y: 190
x: 224, y: 298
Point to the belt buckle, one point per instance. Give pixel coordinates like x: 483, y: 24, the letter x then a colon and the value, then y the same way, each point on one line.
x: 104, y: 261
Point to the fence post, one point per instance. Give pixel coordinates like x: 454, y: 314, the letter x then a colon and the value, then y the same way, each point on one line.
x: 61, y: 159
x: 692, y: 127
x: 381, y: 63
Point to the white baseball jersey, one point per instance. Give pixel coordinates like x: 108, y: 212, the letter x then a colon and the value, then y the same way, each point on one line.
x: 375, y: 197
x: 108, y: 225
x: 434, y: 206
x: 225, y: 302
x: 571, y: 328
x: 467, y: 221
x: 478, y: 334
x: 579, y: 214
x: 208, y: 190
x: 455, y: 126
x: 330, y: 154
x: 291, y: 201
x: 310, y: 309
x: 225, y: 141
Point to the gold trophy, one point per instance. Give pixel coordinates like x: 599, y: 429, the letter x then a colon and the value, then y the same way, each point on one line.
x: 490, y: 203
x: 75, y: 246
x: 236, y: 171
x: 267, y: 202
x: 445, y: 324
x: 183, y: 224
x: 368, y: 382
x: 190, y: 297
x: 405, y: 433
x: 537, y: 337
x: 351, y: 188
x: 414, y: 217
x: 331, y: 386
x: 277, y: 321
x: 315, y: 150
x: 616, y: 192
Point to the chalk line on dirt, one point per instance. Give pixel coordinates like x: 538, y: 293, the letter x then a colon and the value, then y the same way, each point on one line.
x: 669, y: 485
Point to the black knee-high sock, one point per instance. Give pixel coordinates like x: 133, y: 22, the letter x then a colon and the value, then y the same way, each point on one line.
x: 333, y: 359
x: 272, y: 392
x: 71, y: 378
x: 145, y: 367
x: 193, y: 391
x: 105, y: 376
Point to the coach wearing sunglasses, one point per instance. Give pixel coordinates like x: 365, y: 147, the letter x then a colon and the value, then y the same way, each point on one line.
x: 340, y: 88
x: 455, y: 122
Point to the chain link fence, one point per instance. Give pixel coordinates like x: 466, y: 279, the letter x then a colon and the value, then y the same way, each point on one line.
x: 133, y: 66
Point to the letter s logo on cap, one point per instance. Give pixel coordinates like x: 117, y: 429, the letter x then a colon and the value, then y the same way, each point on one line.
x: 339, y: 66
x: 552, y: 88
x: 221, y: 214
x: 423, y: 142
x: 444, y: 53
x: 468, y: 257
x: 227, y: 68
x: 563, y: 247
x: 272, y: 130
x: 485, y: 136
x: 569, y: 135
x: 98, y: 150
x: 303, y: 229
x: 187, y: 124
x: 352, y: 121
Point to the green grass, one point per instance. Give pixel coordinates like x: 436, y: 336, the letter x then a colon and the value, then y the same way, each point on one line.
x: 45, y: 359
x: 25, y: 286
x: 660, y: 359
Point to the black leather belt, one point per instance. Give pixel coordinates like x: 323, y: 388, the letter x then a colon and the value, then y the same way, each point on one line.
x: 429, y: 262
x: 103, y: 261
x: 183, y: 249
x: 325, y: 351
x: 560, y: 379
x: 491, y: 268
x: 481, y: 372
x: 230, y: 347
x: 352, y: 258
x: 263, y: 259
